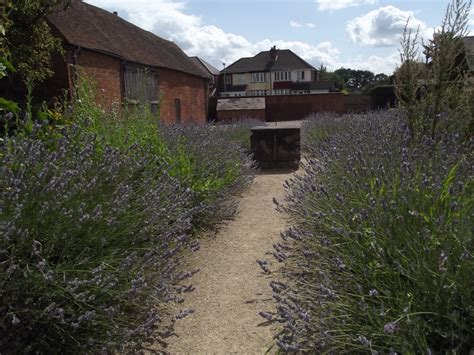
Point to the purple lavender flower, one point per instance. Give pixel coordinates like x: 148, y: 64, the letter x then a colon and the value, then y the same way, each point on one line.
x: 390, y: 327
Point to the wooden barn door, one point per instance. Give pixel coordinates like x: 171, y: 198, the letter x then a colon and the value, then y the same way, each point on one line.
x: 141, y: 86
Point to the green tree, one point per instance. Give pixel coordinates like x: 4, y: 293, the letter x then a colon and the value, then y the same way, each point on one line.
x: 326, y: 75
x: 355, y: 79
x: 381, y: 78
x: 378, y: 80
x: 6, y: 67
x: 29, y: 41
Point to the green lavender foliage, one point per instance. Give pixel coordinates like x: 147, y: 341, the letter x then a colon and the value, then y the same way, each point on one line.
x: 95, y: 219
x: 381, y: 255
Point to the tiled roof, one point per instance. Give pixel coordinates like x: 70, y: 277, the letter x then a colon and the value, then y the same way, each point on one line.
x: 93, y: 28
x: 241, y: 103
x: 208, y: 67
x: 286, y: 60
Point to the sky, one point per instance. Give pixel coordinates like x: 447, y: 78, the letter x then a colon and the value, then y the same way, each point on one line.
x: 357, y: 34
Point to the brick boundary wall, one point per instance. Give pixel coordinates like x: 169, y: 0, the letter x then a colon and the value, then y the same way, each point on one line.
x: 297, y: 107
x: 235, y: 115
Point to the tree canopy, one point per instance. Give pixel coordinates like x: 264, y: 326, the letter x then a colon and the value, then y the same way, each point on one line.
x: 352, y: 79
x: 28, y: 39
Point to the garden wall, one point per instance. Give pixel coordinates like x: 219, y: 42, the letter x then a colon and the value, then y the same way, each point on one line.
x: 297, y: 107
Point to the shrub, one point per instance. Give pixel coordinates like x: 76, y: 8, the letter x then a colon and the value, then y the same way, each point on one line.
x: 211, y: 160
x: 436, y: 94
x: 89, y: 238
x: 93, y: 221
x: 381, y: 254
x: 95, y: 217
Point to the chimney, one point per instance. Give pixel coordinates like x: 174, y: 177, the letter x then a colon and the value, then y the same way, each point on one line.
x: 115, y: 13
x: 273, y: 54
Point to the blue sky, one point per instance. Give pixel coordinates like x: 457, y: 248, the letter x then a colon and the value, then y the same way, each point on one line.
x: 360, y: 34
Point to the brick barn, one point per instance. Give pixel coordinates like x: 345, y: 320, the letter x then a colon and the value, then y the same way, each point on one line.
x: 127, y: 64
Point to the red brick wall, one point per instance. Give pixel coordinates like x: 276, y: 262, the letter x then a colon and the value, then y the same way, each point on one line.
x: 240, y: 114
x: 105, y: 72
x: 191, y: 90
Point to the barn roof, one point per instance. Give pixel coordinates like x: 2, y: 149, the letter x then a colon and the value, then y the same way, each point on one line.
x: 96, y: 29
x: 208, y: 67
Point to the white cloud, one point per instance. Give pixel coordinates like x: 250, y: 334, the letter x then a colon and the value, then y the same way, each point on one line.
x: 295, y: 24
x: 169, y: 19
x: 332, y: 5
x: 384, y: 27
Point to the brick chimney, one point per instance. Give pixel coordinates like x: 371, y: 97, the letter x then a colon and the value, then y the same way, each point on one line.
x: 273, y: 54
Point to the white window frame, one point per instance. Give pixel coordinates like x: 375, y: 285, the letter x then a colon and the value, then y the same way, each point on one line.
x: 258, y: 77
x: 301, y: 75
x: 282, y: 76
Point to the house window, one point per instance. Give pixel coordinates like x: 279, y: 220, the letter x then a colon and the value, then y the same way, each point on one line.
x: 301, y: 75
x: 141, y: 86
x: 241, y: 78
x: 258, y: 77
x: 228, y: 79
x: 282, y: 76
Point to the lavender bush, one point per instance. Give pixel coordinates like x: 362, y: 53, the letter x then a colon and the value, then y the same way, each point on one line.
x: 90, y: 236
x: 380, y: 258
x: 88, y: 244
x: 212, y: 161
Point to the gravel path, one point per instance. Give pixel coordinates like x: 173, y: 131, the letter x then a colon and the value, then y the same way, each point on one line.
x: 230, y: 288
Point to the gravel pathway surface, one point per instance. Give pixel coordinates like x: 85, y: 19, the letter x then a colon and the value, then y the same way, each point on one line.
x: 230, y: 288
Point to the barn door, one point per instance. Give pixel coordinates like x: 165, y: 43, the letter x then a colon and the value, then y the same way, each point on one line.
x: 141, y: 86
